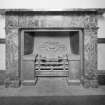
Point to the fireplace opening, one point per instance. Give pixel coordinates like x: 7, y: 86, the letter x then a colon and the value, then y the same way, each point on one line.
x: 51, y: 43
x: 50, y: 54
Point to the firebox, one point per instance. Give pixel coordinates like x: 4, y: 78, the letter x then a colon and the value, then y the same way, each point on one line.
x: 51, y: 44
x: 51, y: 53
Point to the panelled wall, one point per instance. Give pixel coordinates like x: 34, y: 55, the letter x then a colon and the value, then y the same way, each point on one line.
x: 2, y: 49
x: 2, y: 42
x: 101, y: 49
x: 101, y: 42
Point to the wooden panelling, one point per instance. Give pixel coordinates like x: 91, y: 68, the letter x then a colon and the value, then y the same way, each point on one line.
x: 2, y: 41
x: 101, y: 79
x: 90, y: 50
x: 101, y: 40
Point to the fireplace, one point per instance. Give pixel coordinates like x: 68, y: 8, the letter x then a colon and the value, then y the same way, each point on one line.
x: 51, y: 53
x: 51, y: 44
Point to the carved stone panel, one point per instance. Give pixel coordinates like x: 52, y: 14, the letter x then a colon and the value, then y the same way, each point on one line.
x: 52, y: 44
x: 90, y: 50
x: 28, y: 21
x: 12, y: 53
x: 12, y: 21
x: 34, y: 21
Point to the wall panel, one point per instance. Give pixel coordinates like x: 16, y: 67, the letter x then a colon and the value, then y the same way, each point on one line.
x: 2, y: 57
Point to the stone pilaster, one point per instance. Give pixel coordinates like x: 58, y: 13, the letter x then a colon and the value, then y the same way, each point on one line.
x: 90, y: 57
x: 11, y: 55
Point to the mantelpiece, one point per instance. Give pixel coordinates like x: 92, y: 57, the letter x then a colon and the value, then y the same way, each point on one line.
x: 18, y: 22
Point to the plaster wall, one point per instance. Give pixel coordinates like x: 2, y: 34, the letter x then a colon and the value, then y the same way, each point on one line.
x: 2, y: 57
x: 101, y: 46
x: 2, y: 46
x: 2, y: 26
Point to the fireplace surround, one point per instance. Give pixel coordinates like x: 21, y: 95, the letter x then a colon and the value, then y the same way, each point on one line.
x: 58, y: 54
x: 24, y: 31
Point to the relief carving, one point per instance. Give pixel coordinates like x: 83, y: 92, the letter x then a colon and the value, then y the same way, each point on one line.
x: 90, y: 52
x: 32, y: 21
x: 12, y: 21
x: 12, y: 53
x: 52, y: 48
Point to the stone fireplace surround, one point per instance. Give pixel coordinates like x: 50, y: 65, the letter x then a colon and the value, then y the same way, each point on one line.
x: 84, y: 21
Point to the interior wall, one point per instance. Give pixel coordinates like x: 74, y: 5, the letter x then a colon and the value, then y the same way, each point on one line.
x: 2, y: 44
x: 101, y: 46
x: 101, y: 25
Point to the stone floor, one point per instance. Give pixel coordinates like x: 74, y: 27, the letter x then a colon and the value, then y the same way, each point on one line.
x: 51, y: 87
